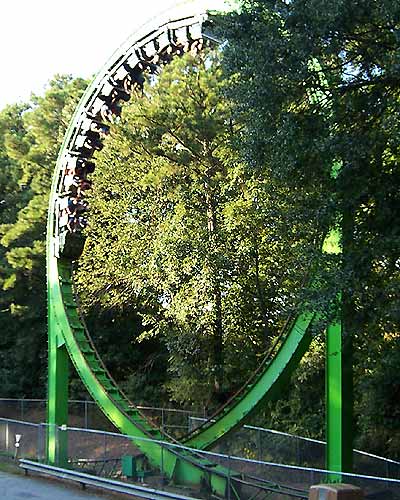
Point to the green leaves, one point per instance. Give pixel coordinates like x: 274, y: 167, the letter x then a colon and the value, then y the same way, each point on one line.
x: 316, y: 83
x: 182, y: 234
x: 30, y: 136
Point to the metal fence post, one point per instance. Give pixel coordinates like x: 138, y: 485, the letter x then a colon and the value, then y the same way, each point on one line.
x: 57, y: 443
x: 229, y: 478
x: 259, y: 445
x: 298, y: 451
x: 7, y: 438
x: 44, y: 441
x: 162, y: 467
x: 38, y: 445
x: 86, y: 414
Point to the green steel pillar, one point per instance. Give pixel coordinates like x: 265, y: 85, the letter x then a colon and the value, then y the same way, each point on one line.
x: 338, y: 379
x: 58, y: 370
x: 58, y: 358
x: 57, y: 398
x: 339, y: 400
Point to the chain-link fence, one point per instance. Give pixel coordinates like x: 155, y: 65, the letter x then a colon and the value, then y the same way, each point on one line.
x: 86, y: 414
x: 101, y: 453
x: 22, y: 440
x: 175, y: 422
x: 248, y: 442
x: 270, y: 445
x: 81, y: 413
x: 85, y: 447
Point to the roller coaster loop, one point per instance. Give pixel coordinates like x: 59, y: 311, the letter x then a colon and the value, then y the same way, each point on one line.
x: 173, y: 33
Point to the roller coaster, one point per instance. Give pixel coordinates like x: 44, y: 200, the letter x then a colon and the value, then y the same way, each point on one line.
x: 152, y: 46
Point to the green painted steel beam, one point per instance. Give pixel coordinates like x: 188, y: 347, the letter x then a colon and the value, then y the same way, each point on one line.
x: 339, y: 449
x: 339, y: 399
x: 58, y: 358
x: 270, y: 383
x: 333, y: 391
x: 182, y: 466
x: 57, y: 402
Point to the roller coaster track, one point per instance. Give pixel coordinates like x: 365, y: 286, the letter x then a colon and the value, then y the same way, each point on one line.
x: 147, y: 49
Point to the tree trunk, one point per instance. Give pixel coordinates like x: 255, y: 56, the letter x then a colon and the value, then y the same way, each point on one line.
x: 261, y: 298
x: 217, y: 298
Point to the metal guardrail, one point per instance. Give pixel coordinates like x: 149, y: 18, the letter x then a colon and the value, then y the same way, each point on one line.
x: 100, y: 482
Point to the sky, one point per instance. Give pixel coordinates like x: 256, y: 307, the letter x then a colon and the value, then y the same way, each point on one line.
x: 39, y: 38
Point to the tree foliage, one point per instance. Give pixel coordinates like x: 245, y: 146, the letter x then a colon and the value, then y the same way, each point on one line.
x: 317, y: 84
x: 182, y: 232
x: 30, y: 137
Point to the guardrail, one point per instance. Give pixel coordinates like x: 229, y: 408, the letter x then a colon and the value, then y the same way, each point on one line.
x: 100, y: 482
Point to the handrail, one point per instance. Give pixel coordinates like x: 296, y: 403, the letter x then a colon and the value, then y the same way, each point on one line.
x: 100, y: 482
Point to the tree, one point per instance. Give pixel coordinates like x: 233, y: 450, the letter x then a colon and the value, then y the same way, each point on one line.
x: 316, y: 83
x: 30, y: 136
x: 182, y: 233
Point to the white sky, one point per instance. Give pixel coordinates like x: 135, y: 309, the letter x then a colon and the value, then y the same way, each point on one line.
x: 39, y: 38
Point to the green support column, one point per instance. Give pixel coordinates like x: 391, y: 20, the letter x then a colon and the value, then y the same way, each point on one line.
x: 338, y: 377
x: 58, y: 358
x: 339, y: 400
x: 57, y: 396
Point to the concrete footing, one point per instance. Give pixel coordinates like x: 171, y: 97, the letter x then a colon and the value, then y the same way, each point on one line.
x: 335, y: 492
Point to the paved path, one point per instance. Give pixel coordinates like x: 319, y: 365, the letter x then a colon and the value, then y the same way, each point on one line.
x: 16, y: 487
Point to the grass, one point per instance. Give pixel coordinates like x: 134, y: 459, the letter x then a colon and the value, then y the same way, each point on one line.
x: 9, y: 466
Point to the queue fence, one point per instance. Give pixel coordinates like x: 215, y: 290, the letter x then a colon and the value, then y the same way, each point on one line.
x: 250, y: 442
x: 100, y: 453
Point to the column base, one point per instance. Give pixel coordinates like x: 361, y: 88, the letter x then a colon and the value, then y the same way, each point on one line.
x: 335, y: 492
